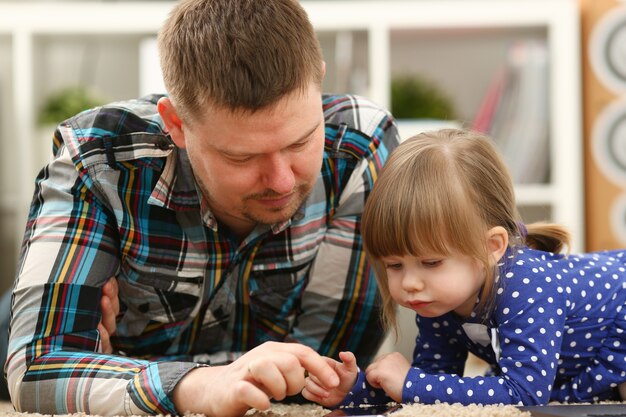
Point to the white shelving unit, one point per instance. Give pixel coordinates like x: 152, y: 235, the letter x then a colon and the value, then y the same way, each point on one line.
x: 558, y: 19
x: 25, y: 29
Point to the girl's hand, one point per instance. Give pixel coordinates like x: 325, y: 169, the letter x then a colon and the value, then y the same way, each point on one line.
x: 347, y: 371
x: 389, y: 372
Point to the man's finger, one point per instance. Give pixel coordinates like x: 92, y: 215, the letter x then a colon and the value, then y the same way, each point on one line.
x: 108, y: 315
x: 105, y: 341
x: 294, y: 377
x: 111, y: 290
x: 252, y: 396
x: 316, y: 365
x: 267, y: 375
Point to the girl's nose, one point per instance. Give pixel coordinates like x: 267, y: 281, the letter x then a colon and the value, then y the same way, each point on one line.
x: 411, y: 282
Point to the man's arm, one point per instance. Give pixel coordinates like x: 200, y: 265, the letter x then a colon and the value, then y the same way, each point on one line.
x: 70, y: 249
x: 59, y: 358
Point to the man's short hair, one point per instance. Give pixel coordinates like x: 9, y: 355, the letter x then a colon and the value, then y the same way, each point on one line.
x: 239, y: 54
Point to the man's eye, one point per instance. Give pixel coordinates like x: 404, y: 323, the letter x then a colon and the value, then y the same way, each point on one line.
x: 238, y: 160
x: 298, y: 146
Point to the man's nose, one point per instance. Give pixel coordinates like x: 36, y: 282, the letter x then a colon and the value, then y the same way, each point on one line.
x: 278, y: 174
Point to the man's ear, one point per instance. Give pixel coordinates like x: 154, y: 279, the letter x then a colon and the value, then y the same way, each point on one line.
x: 497, y: 242
x: 173, y: 123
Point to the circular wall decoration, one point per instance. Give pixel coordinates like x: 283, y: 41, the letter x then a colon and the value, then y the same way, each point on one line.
x: 608, y: 140
x: 607, y: 49
x: 618, y: 218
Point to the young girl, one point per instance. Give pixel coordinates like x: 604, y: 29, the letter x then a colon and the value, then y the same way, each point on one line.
x: 442, y: 228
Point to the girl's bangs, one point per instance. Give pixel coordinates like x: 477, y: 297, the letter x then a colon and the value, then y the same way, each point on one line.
x: 399, y: 223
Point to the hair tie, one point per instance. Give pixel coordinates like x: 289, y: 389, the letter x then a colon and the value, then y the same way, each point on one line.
x: 522, y: 229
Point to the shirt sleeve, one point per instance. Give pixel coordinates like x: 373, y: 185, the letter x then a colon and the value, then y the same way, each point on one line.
x: 70, y: 248
x: 364, y: 394
x: 341, y: 304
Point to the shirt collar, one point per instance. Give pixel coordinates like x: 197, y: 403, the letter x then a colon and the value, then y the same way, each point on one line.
x: 298, y: 215
x: 176, y: 187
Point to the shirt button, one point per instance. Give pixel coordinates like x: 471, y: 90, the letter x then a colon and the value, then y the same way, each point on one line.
x: 164, y: 146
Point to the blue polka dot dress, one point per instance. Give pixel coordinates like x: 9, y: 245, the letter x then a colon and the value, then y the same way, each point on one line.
x: 557, y: 333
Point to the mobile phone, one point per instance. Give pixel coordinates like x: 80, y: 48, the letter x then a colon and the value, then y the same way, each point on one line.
x: 365, y: 411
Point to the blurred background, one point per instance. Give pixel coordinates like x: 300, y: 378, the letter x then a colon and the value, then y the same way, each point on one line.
x: 545, y: 78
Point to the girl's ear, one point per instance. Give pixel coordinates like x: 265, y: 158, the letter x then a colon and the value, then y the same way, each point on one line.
x: 497, y: 242
x: 173, y: 123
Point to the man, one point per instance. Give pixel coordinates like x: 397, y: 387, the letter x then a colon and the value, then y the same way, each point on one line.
x: 228, y: 212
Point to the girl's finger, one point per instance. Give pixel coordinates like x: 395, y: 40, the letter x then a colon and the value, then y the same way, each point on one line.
x: 372, y: 376
x: 314, y: 379
x: 315, y: 389
x: 312, y: 397
x: 349, y: 361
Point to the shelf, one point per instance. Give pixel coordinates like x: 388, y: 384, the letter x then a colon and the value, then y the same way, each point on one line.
x: 83, y: 18
x: 536, y: 194
x: 450, y: 39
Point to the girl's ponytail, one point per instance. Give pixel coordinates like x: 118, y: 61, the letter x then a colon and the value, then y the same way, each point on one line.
x: 548, y: 237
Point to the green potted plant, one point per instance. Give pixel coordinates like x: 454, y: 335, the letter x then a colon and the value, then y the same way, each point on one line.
x: 419, y: 105
x: 67, y: 102
x: 59, y: 106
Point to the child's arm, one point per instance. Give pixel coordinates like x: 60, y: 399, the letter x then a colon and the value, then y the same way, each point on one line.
x: 389, y: 372
x: 346, y: 369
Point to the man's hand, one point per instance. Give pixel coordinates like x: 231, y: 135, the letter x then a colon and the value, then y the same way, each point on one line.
x: 110, y: 308
x: 389, y: 372
x: 272, y: 370
x: 347, y: 370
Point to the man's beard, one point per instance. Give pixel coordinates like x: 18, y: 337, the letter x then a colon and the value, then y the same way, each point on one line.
x: 265, y: 216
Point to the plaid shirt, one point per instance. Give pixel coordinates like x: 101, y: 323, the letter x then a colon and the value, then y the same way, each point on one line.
x: 120, y: 200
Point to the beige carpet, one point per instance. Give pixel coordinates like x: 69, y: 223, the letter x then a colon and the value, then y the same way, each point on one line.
x: 412, y: 410
x: 279, y: 410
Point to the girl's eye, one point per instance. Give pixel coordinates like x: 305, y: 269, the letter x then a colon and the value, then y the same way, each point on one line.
x: 431, y: 263
x: 394, y: 266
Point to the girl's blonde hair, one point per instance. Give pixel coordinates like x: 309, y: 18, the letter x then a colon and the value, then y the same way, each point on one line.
x: 441, y: 192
